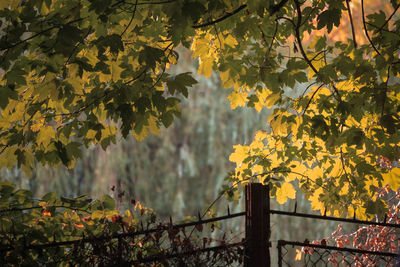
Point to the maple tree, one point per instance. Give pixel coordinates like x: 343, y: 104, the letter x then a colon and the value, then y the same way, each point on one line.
x: 77, y: 72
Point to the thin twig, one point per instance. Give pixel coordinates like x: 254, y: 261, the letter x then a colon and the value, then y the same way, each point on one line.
x: 302, y: 51
x: 219, y: 19
x: 385, y: 92
x: 38, y: 34
x: 310, y: 100
x: 390, y: 17
x: 150, y: 3
x: 40, y: 207
x: 130, y: 22
x: 351, y: 23
x: 365, y: 28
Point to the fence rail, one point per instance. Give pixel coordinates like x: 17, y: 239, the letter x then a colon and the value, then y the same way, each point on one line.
x: 330, y: 218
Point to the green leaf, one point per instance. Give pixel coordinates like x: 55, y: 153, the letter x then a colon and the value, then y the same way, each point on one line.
x: 180, y: 83
x: 150, y: 56
x: 167, y: 118
x: 328, y: 18
x: 5, y: 94
x: 108, y: 202
x: 112, y: 41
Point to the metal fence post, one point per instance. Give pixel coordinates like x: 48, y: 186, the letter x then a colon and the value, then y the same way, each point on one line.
x: 257, y: 226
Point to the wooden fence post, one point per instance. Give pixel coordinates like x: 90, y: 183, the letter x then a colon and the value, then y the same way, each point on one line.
x: 257, y: 226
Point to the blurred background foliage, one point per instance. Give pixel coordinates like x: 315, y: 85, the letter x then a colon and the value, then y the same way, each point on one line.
x: 178, y: 172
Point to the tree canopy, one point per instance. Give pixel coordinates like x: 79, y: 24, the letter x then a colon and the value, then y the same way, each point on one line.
x: 77, y: 72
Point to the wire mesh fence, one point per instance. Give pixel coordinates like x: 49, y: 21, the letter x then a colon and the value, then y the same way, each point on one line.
x: 310, y: 255
x: 195, y: 243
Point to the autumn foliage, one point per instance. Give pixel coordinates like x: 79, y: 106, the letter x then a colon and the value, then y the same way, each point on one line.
x: 81, y: 73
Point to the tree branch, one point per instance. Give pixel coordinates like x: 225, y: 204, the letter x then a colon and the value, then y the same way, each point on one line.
x: 149, y: 3
x: 130, y: 22
x: 365, y: 28
x: 37, y: 34
x: 351, y: 23
x: 390, y: 17
x: 310, y: 100
x: 219, y: 19
x: 303, y: 53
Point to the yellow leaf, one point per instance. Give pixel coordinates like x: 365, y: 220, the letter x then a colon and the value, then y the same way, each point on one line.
x: 205, y: 66
x: 200, y: 47
x: 315, y: 203
x: 337, y: 168
x: 115, y: 71
x: 237, y: 99
x: 271, y: 100
x: 360, y: 212
x: 47, y: 87
x: 11, y: 4
x: 315, y: 173
x: 277, y: 126
x: 28, y: 164
x: 345, y: 189
x: 153, y: 126
x: 227, y: 82
x: 298, y: 170
x: 299, y: 255
x: 258, y: 169
x: 317, y: 61
x: 392, y: 178
x: 4, y: 123
x: 256, y: 146
x: 142, y: 135
x: 241, y: 152
x: 8, y: 158
x: 284, y: 192
x: 229, y: 40
x: 260, y: 135
x: 90, y: 135
x: 104, y: 78
x: 98, y: 214
x: 74, y: 78
x: 37, y: 125
x: 45, y: 135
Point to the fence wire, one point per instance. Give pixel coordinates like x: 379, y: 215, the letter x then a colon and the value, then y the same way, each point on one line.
x: 320, y: 255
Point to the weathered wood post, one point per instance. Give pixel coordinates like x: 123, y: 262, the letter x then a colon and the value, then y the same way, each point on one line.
x: 257, y: 226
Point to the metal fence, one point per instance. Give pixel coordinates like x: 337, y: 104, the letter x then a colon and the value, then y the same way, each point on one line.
x: 325, y: 255
x: 322, y: 255
x: 171, y: 244
x: 253, y: 250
